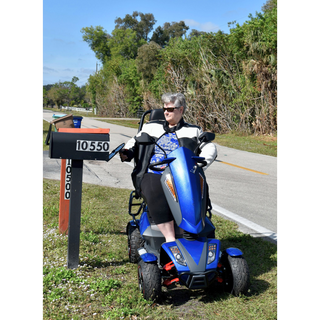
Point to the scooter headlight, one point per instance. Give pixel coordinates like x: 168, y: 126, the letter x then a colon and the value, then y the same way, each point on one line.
x: 178, y: 255
x: 170, y: 186
x: 212, y: 248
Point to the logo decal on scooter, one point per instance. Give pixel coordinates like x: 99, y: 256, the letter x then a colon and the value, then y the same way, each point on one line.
x: 194, y: 169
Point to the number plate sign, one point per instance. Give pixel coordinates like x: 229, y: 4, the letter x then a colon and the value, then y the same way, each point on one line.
x: 93, y: 146
x: 79, y: 146
x: 67, y: 182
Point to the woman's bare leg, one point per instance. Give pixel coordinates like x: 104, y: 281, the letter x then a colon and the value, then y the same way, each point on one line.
x: 167, y: 229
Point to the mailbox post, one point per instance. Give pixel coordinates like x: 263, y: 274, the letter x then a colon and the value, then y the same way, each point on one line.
x: 75, y: 214
x: 78, y: 145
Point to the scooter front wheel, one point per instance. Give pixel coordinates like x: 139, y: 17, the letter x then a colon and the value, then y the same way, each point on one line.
x: 236, y: 275
x: 149, y: 280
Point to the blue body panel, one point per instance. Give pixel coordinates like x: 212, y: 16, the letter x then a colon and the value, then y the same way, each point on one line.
x: 209, y: 222
x: 144, y: 222
x: 166, y: 246
x: 135, y: 224
x: 195, y: 253
x: 187, y: 184
x: 234, y: 252
x: 149, y: 257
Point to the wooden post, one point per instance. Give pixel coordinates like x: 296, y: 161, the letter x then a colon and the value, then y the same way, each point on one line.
x: 65, y: 192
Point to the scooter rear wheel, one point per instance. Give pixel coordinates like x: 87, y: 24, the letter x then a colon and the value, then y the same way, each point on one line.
x: 135, y: 242
x: 149, y: 278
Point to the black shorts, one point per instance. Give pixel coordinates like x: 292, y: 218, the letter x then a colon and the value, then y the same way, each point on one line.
x: 152, y: 193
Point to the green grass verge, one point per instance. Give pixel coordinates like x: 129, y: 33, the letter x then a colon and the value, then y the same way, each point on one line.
x: 105, y: 285
x: 126, y: 123
x: 258, y: 144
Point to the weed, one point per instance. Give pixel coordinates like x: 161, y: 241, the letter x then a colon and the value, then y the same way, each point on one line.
x: 105, y: 286
x: 89, y: 236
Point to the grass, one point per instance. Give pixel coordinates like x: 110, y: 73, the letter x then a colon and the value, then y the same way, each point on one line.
x: 264, y: 144
x: 105, y: 285
x: 126, y: 123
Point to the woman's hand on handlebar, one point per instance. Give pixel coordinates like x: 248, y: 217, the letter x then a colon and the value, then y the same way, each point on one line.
x: 123, y: 155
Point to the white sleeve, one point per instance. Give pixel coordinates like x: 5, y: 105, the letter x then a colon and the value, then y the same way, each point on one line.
x: 130, y: 143
x: 209, y: 152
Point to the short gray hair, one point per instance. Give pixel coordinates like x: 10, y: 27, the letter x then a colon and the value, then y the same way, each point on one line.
x: 178, y: 100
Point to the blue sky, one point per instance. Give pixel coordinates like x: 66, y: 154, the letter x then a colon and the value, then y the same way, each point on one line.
x: 65, y: 54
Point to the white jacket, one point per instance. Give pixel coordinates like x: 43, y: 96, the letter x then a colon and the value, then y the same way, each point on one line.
x: 186, y: 134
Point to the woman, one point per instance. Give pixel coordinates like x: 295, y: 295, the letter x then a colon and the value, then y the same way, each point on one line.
x: 171, y: 134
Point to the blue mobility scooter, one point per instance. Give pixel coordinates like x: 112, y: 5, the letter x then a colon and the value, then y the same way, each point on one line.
x: 195, y: 259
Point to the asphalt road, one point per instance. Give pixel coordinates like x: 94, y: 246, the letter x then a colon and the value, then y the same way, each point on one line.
x: 243, y: 185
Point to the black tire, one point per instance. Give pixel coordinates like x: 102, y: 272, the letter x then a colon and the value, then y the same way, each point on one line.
x: 236, y: 275
x: 149, y: 278
x: 135, y: 242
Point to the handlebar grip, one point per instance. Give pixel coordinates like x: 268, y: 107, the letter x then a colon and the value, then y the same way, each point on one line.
x: 202, y: 164
x: 152, y: 166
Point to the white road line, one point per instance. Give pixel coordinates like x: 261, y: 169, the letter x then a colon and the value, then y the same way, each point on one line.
x: 259, y: 229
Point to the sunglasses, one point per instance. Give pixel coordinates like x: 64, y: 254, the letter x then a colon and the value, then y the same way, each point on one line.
x: 170, y: 109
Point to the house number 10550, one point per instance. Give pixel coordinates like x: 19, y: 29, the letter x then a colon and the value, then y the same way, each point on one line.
x: 67, y: 184
x: 93, y: 146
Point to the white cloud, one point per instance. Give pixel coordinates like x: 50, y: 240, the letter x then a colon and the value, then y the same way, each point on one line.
x: 206, y: 26
x: 209, y: 26
x: 87, y: 71
x: 191, y: 23
x: 48, y: 70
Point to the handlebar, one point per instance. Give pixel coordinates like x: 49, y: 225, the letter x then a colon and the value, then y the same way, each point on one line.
x: 115, y: 151
x: 200, y: 161
x: 164, y: 161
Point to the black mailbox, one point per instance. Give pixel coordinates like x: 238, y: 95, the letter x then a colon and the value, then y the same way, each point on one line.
x: 79, y: 146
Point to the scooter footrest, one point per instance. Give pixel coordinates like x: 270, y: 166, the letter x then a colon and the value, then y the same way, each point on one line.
x: 168, y: 266
x: 168, y: 282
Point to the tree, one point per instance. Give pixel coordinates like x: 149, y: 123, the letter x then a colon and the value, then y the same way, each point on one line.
x: 195, y: 33
x: 66, y: 93
x: 142, y: 27
x: 176, y: 29
x: 55, y: 95
x: 98, y: 40
x: 148, y: 60
x: 162, y: 35
x: 123, y: 43
x: 269, y: 5
x: 230, y: 80
x: 130, y: 78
